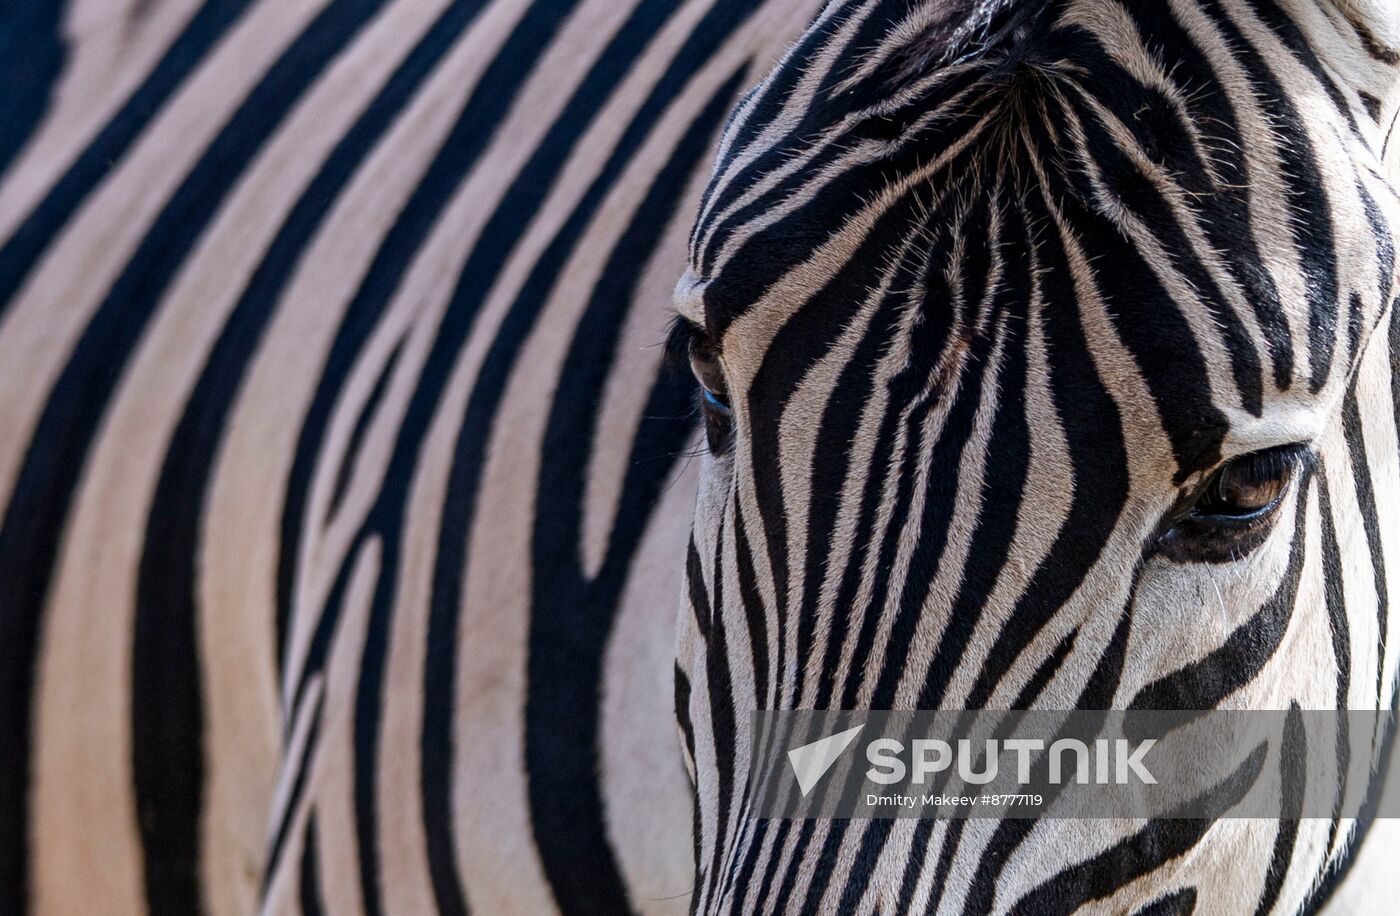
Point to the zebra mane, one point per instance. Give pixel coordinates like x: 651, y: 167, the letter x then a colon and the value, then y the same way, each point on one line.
x: 960, y: 30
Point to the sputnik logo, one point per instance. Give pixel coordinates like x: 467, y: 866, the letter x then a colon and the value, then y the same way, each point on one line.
x: 811, y: 761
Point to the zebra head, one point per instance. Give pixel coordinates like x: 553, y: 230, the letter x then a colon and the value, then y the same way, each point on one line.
x: 1046, y: 362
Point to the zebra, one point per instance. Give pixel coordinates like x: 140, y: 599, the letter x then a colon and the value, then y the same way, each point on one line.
x: 1049, y: 358
x: 347, y: 493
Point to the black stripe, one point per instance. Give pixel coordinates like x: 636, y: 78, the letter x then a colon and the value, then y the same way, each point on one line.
x: 862, y: 868
x: 1097, y: 694
x: 952, y: 839
x: 888, y: 543
x: 945, y: 324
x: 799, y: 865
x: 1155, y: 330
x: 1005, y: 475
x: 1340, y: 628
x: 702, y: 613
x: 494, y: 94
x: 1098, y: 458
x: 765, y: 256
x: 167, y: 606
x: 831, y: 467
x: 1377, y: 49
x: 1156, y: 125
x: 813, y: 331
x: 1372, y: 104
x: 282, y: 830
x: 687, y: 729
x: 765, y: 103
x: 918, y: 858
x: 869, y: 116
x: 1395, y: 359
x: 697, y: 594
x: 1291, y: 35
x: 1224, y: 206
x: 32, y: 54
x: 505, y: 227
x: 168, y: 768
x: 933, y: 530
x: 309, y: 887
x: 1162, y: 840
x: 1311, y: 228
x: 1026, y: 699
x: 1205, y: 683
x: 755, y: 615
x: 682, y: 706
x: 1354, y: 433
x: 830, y: 471
x: 720, y: 686
x: 1178, y: 903
x: 1292, y: 785
x: 473, y: 131
x: 865, y: 542
x: 323, y: 636
x: 743, y: 882
x: 33, y: 237
x: 1360, y: 333
x: 357, y: 435
x: 571, y: 616
x: 1046, y: 671
x: 836, y: 439
x: 944, y: 471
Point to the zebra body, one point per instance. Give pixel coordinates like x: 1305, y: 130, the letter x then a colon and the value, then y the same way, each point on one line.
x: 250, y: 405
x: 347, y: 500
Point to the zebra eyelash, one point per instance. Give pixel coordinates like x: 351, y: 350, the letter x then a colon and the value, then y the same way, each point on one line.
x: 1296, y: 457
x: 679, y: 339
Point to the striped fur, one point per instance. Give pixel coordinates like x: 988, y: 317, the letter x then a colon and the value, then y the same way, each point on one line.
x: 343, y: 490
x: 346, y: 500
x: 993, y: 302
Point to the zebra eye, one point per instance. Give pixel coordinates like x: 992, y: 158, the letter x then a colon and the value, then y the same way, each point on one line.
x: 688, y: 341
x: 714, y: 393
x: 1240, y: 493
x: 1233, y: 512
x: 704, y: 362
x: 713, y: 401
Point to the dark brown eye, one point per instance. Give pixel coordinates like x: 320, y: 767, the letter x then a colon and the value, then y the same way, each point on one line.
x: 704, y: 362
x: 714, y: 395
x: 688, y: 341
x: 1232, y: 513
x: 1240, y: 493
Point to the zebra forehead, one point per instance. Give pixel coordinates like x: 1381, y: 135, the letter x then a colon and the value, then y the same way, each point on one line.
x: 898, y: 83
x: 828, y: 138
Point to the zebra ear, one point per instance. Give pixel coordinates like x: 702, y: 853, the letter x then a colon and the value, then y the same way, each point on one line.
x: 1378, y: 24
